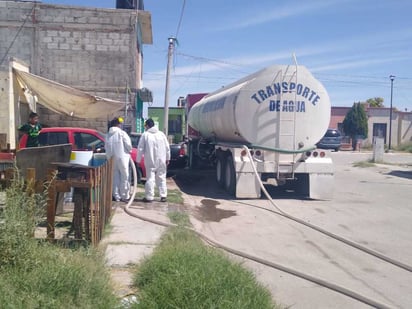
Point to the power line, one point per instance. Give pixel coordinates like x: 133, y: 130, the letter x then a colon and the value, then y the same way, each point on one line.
x: 361, y: 76
x: 17, y: 34
x: 181, y: 18
x: 204, y: 59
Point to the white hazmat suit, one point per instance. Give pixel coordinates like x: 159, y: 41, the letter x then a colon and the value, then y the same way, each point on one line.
x: 119, y: 146
x: 153, y: 145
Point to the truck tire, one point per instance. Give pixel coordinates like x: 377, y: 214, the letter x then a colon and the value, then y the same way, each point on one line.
x: 230, y: 177
x: 301, y: 184
x: 220, y: 171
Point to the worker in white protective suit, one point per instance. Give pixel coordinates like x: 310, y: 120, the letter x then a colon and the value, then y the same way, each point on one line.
x: 118, y: 147
x: 153, y: 145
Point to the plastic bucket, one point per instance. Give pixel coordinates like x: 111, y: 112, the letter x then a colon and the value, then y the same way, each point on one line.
x: 81, y: 157
x: 99, y: 159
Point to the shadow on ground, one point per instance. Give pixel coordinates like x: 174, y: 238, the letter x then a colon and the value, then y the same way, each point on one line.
x: 402, y: 174
x: 203, y: 183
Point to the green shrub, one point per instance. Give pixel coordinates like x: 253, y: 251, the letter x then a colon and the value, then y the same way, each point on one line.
x: 19, y: 218
x: 37, y: 274
x: 58, y: 278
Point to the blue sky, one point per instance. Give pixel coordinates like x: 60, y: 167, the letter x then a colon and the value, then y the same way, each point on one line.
x: 351, y: 46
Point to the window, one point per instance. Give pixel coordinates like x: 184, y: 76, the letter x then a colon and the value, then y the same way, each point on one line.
x: 379, y: 130
x: 332, y: 133
x: 87, y: 141
x: 175, y: 125
x: 53, y: 138
x: 135, y: 138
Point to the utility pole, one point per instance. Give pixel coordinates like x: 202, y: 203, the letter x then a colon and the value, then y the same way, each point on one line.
x: 169, y: 67
x: 392, y: 77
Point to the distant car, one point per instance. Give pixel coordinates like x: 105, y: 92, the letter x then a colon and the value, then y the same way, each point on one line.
x: 178, y: 153
x: 140, y: 170
x: 135, y: 137
x: 331, y: 140
x: 81, y: 139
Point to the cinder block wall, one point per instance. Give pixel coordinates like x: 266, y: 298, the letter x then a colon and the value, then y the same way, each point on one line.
x: 94, y: 50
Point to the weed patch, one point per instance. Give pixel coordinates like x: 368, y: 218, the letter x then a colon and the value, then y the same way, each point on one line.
x: 364, y: 164
x: 184, y: 273
x: 173, y: 196
x: 37, y: 274
x: 407, y: 147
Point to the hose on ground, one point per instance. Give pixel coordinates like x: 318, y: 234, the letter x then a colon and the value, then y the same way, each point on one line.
x: 323, y: 231
x: 214, y: 243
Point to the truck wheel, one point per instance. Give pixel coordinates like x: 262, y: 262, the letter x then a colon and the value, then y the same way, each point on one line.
x: 301, y: 184
x: 230, y: 177
x: 220, y: 171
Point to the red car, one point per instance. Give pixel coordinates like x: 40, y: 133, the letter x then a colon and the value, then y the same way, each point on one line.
x: 81, y: 139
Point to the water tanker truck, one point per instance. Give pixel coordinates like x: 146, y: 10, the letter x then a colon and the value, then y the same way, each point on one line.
x: 261, y: 127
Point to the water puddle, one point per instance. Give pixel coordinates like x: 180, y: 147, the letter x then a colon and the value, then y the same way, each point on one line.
x: 209, y: 212
x: 160, y: 206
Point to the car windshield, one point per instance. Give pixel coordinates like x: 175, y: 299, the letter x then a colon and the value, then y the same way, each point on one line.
x: 102, y: 135
x: 332, y: 133
x: 135, y: 139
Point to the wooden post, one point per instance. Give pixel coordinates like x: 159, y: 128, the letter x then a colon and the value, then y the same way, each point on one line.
x: 109, y: 184
x: 31, y: 180
x: 79, y: 199
x: 51, y: 204
x: 3, y: 141
x: 91, y: 208
x: 97, y: 186
x: 9, y: 175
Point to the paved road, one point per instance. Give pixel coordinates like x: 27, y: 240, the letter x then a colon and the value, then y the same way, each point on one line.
x: 371, y: 206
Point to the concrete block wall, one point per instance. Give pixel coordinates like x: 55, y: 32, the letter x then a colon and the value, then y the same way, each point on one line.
x: 94, y: 50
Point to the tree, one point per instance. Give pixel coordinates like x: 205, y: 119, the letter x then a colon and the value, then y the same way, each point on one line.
x: 355, y: 123
x: 375, y: 102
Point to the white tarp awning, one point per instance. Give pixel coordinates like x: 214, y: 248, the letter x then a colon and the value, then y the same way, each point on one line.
x: 63, y: 99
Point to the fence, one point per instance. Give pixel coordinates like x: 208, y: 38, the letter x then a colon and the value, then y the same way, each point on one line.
x: 92, y: 188
x: 92, y: 198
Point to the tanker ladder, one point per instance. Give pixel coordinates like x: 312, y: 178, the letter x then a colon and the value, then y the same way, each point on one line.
x: 287, y: 130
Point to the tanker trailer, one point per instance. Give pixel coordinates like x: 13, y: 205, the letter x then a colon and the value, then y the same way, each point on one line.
x: 279, y: 114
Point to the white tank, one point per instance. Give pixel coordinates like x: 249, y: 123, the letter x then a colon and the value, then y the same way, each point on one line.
x: 281, y: 107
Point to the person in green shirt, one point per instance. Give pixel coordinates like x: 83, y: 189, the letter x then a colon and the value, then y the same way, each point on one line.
x: 32, y: 129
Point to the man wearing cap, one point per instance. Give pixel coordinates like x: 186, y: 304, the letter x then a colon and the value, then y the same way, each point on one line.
x: 153, y: 145
x: 118, y: 147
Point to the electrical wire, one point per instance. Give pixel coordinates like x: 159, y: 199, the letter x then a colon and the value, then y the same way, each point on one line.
x: 210, y: 60
x: 180, y: 19
x: 17, y: 34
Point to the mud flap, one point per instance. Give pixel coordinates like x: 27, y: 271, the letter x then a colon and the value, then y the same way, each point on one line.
x: 321, y: 186
x: 247, y: 186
